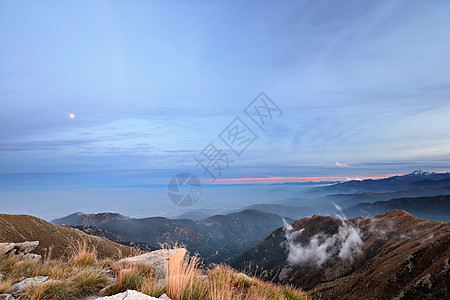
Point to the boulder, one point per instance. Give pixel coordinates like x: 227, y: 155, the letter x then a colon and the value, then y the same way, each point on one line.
x: 5, y: 248
x: 25, y: 247
x: 133, y: 295
x: 241, y: 276
x: 156, y: 258
x: 22, y: 285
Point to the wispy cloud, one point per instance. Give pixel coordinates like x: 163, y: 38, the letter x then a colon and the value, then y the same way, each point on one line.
x: 341, y: 165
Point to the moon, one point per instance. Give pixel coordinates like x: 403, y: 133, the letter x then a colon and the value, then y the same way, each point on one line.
x: 72, y: 116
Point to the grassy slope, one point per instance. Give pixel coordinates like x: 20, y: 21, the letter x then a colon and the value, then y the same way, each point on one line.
x: 20, y: 228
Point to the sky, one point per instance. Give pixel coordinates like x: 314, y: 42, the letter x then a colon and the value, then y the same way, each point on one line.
x: 103, y: 100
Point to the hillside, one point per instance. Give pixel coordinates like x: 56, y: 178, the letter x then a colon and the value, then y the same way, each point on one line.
x: 21, y: 228
x: 430, y: 208
x: 216, y: 238
x: 92, y: 230
x: 391, y: 255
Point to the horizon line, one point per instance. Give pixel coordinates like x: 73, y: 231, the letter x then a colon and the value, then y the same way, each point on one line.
x: 294, y: 179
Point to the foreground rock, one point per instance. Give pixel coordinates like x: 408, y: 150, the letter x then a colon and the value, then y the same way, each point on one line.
x: 133, y: 295
x: 25, y: 247
x: 24, y: 284
x: 20, y: 249
x: 157, y: 258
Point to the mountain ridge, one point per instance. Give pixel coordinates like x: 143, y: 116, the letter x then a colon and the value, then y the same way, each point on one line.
x: 398, y: 251
x: 435, y: 208
x: 216, y: 238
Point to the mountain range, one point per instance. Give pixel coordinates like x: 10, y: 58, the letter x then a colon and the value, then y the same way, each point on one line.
x: 414, y: 179
x: 418, y: 184
x: 216, y: 238
x: 431, y: 208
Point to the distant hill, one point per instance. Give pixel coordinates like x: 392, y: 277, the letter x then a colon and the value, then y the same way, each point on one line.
x: 193, y: 215
x: 399, y: 256
x: 80, y: 218
x: 292, y: 212
x: 20, y: 228
x: 216, y: 238
x: 431, y: 208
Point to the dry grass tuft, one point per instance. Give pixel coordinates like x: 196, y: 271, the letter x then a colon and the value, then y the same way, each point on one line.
x: 82, y: 255
x: 180, y: 272
x: 5, y: 284
x: 88, y: 282
x: 49, y: 291
x: 130, y: 277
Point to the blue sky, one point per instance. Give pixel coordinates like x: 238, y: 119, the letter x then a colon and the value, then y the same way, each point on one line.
x: 151, y: 83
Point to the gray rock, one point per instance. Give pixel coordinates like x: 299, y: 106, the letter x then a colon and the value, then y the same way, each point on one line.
x: 164, y: 297
x: 22, y: 285
x: 26, y: 247
x: 30, y: 256
x: 243, y: 277
x: 161, y: 283
x: 5, y: 248
x: 129, y: 295
x: 6, y: 297
x: 156, y: 258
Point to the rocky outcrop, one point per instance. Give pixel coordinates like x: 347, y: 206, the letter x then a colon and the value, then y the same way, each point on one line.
x: 21, y: 249
x: 24, y: 284
x: 133, y: 295
x: 157, y: 258
x: 25, y: 247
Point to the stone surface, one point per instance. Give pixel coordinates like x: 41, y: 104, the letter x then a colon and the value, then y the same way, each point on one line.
x: 6, y: 247
x: 30, y: 256
x: 27, y: 247
x: 22, y: 285
x: 164, y: 297
x: 132, y: 295
x: 6, y: 297
x: 155, y: 258
x: 243, y: 277
x: 21, y: 248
